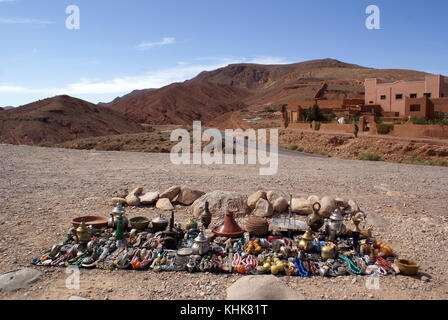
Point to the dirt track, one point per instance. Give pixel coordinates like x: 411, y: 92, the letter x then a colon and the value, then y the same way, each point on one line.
x: 44, y: 188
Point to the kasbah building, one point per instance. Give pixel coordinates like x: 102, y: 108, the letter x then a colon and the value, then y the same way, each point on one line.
x: 394, y: 101
x: 427, y: 98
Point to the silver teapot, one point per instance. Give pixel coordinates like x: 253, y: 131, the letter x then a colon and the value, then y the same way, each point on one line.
x: 335, y: 227
x: 201, y: 244
x: 118, y: 211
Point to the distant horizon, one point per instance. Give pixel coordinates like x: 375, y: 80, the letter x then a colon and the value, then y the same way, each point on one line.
x: 284, y: 64
x: 115, y: 47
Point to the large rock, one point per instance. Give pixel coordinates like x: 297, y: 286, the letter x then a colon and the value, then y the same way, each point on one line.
x: 187, y: 196
x: 277, y: 200
x: 164, y: 204
x: 328, y: 204
x: 313, y: 199
x: 352, y: 207
x: 254, y: 197
x: 301, y: 205
x: 341, y: 202
x: 280, y: 204
x: 219, y: 202
x: 132, y: 198
x: 149, y: 198
x: 19, y: 279
x: 272, y: 195
x: 114, y: 201
x: 259, y: 287
x: 263, y: 209
x: 170, y: 193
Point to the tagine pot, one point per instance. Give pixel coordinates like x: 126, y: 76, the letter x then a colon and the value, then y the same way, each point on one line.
x: 229, y: 228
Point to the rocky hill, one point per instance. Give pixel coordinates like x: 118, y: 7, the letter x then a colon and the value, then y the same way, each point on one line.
x: 60, y: 119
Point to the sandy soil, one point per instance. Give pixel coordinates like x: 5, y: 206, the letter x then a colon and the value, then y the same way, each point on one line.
x: 44, y: 188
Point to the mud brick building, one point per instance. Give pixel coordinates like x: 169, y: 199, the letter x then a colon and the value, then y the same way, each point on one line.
x: 427, y: 98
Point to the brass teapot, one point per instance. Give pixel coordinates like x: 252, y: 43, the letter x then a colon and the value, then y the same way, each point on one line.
x: 83, y: 233
x: 306, y: 242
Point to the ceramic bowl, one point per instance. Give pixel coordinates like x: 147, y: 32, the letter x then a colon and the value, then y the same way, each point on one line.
x: 407, y: 267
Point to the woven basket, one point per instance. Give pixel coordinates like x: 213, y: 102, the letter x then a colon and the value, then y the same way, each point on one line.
x: 257, y: 226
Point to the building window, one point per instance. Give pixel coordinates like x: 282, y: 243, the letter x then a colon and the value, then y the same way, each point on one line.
x: 383, y: 97
x: 413, y: 95
x: 371, y: 102
x: 399, y: 96
x: 415, y: 107
x: 427, y: 94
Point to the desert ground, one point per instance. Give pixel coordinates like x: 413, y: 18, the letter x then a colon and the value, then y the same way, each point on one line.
x: 43, y: 189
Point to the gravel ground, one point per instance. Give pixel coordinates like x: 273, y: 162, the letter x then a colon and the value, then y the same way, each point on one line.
x: 44, y: 188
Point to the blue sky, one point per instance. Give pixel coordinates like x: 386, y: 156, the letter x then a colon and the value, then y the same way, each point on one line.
x: 136, y: 44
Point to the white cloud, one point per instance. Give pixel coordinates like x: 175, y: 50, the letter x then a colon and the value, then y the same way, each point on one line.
x: 165, y: 41
x: 24, y: 21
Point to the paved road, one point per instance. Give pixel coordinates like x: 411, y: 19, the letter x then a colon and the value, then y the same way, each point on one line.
x: 280, y: 150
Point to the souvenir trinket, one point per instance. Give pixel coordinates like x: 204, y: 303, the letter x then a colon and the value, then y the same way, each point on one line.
x: 201, y: 244
x: 335, y: 227
x: 159, y: 223
x: 315, y: 221
x: 206, y: 216
x: 229, y: 228
x: 118, y: 211
x: 306, y: 242
x: 83, y: 233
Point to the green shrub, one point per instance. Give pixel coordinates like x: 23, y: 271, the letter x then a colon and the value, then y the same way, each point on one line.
x: 369, y: 156
x: 46, y: 145
x: 384, y: 128
x: 317, y: 128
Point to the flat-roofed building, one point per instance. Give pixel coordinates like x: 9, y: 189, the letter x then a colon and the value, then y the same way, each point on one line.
x: 393, y: 96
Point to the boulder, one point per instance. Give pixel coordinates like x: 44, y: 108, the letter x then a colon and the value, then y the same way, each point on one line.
x: 164, y: 204
x: 18, y: 279
x: 313, y: 199
x: 170, y: 193
x: 187, y: 196
x: 219, y: 203
x: 352, y: 207
x: 328, y: 204
x: 301, y: 205
x: 341, y: 202
x: 272, y: 195
x: 266, y: 287
x: 263, y: 209
x: 149, y: 198
x: 254, y: 197
x: 280, y: 204
x: 132, y: 198
x: 116, y: 200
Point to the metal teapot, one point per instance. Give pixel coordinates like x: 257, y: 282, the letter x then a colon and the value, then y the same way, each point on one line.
x: 306, y: 242
x: 335, y: 227
x: 201, y: 244
x: 118, y: 211
x: 83, y: 233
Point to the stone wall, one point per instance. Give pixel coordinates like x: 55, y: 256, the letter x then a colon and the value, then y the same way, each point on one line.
x: 420, y: 131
